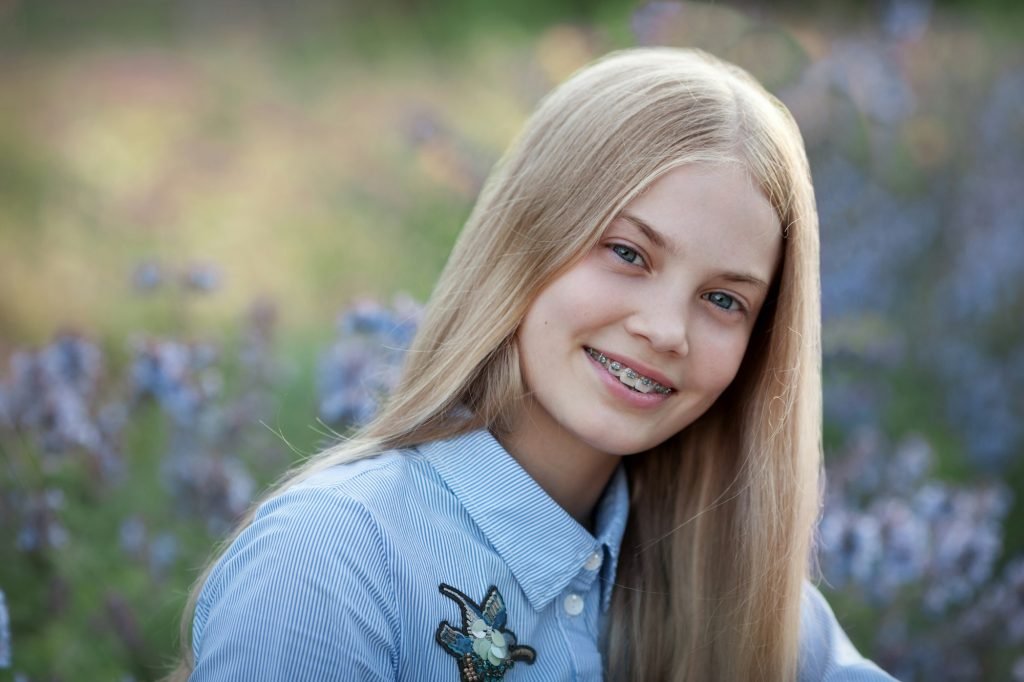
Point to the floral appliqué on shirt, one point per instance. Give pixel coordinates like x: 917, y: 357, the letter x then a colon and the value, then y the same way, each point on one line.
x: 483, y: 647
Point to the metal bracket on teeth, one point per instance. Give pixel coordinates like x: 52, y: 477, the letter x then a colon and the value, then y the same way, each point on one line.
x: 615, y: 366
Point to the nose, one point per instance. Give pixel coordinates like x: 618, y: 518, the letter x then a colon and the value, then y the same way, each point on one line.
x: 662, y: 323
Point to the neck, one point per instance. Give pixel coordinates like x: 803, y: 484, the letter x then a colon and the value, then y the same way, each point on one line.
x: 571, y: 472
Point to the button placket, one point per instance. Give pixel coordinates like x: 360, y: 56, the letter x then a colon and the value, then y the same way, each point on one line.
x: 578, y: 607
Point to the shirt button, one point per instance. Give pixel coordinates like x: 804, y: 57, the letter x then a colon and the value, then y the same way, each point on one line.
x: 573, y: 604
x: 593, y: 562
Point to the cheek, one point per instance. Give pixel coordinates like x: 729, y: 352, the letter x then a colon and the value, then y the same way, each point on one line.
x: 570, y: 305
x: 719, y: 362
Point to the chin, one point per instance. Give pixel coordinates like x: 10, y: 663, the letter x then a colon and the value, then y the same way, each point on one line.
x: 619, y: 446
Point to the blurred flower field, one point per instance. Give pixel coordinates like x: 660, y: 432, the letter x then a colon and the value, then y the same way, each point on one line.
x: 213, y: 243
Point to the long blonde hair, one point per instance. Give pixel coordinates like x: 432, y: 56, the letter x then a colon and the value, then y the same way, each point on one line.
x: 717, y: 544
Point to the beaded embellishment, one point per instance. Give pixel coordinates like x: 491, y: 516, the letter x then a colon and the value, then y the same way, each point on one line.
x: 484, y: 648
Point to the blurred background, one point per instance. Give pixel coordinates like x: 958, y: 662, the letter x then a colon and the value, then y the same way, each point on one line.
x: 218, y: 221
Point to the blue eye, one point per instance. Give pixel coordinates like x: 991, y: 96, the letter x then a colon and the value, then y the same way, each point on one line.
x: 627, y: 254
x: 723, y: 300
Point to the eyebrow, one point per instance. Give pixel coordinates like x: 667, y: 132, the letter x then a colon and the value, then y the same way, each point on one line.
x: 653, y: 235
x: 659, y: 240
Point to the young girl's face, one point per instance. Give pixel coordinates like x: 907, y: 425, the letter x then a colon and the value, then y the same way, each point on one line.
x: 670, y: 293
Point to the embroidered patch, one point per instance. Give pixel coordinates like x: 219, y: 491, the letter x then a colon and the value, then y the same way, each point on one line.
x: 484, y: 648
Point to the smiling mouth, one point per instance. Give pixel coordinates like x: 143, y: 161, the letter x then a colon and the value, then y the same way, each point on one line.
x: 628, y: 376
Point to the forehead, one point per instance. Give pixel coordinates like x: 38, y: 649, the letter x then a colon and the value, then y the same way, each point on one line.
x: 712, y: 211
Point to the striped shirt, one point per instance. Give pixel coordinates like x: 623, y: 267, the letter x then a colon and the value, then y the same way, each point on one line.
x: 442, y: 560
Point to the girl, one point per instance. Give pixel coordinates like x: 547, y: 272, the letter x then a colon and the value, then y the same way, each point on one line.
x: 622, y: 352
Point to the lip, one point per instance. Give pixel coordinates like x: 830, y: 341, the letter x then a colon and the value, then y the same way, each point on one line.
x: 638, y: 367
x: 623, y: 392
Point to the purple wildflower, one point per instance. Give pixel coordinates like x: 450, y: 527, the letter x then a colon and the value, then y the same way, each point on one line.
x: 648, y: 21
x: 5, y: 633
x: 906, y: 19
x: 363, y: 365
x: 148, y: 276
x: 202, y: 277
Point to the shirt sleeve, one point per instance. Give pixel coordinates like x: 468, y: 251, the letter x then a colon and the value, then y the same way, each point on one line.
x: 826, y: 653
x: 305, y: 592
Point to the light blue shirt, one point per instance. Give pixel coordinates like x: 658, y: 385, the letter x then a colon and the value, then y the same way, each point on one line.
x: 419, y: 564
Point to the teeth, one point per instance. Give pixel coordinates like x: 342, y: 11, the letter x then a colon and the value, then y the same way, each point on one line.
x: 629, y: 376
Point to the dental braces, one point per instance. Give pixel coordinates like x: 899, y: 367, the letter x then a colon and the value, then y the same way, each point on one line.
x: 628, y: 376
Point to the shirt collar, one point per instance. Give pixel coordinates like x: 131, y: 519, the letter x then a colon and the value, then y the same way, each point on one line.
x: 543, y: 546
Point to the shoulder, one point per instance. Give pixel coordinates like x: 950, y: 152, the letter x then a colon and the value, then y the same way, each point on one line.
x: 324, y: 517
x: 367, y: 479
x: 332, y: 517
x: 314, y: 554
x: 826, y: 653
